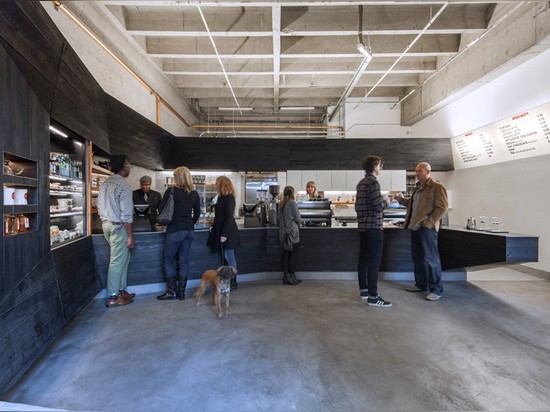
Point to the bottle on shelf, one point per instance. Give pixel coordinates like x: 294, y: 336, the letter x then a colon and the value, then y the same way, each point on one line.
x: 23, y: 223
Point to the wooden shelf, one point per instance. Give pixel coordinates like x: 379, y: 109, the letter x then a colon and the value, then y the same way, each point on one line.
x: 20, y: 234
x: 17, y: 209
x: 100, y: 170
x: 12, y: 180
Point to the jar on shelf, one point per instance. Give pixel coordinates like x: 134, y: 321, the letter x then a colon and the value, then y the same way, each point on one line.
x: 23, y: 223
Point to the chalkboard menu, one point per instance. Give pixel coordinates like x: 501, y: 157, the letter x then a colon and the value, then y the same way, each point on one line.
x: 522, y: 135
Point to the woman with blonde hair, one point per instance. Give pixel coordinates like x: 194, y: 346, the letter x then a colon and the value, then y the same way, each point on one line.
x: 179, y: 233
x: 311, y: 190
x: 225, y: 230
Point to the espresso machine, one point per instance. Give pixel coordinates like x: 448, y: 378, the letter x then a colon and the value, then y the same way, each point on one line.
x: 274, y: 191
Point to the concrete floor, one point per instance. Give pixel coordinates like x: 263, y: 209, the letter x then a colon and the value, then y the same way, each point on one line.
x: 316, y: 346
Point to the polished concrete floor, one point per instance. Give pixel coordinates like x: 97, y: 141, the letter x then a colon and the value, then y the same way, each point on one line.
x: 312, y: 347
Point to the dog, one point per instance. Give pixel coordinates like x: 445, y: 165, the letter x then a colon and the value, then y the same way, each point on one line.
x: 220, y: 280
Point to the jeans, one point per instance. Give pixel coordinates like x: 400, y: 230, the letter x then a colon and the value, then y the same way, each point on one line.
x: 229, y: 255
x: 371, y: 245
x: 290, y: 259
x: 427, y: 266
x: 119, y: 258
x: 177, y: 246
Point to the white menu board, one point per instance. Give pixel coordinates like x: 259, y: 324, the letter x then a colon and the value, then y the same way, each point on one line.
x: 523, y: 135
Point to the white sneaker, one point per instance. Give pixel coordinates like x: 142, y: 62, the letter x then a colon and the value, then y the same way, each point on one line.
x: 433, y: 297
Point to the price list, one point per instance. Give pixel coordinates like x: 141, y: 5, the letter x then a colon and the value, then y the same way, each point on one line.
x: 523, y: 135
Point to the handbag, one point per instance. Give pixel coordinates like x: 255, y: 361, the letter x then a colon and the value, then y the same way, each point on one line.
x: 288, y: 245
x: 167, y: 213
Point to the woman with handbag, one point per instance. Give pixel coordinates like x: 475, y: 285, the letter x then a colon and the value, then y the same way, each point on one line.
x: 185, y: 203
x: 224, y: 231
x: 289, y: 220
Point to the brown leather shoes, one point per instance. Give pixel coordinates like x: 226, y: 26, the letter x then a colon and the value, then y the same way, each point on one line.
x: 127, y: 295
x: 120, y: 301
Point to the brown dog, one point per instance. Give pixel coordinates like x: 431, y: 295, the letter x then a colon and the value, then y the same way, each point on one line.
x: 220, y: 280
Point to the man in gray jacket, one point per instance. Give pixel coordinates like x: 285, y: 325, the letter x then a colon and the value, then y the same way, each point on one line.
x: 425, y: 208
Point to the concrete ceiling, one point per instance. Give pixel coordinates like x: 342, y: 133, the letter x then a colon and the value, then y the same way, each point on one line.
x: 289, y: 54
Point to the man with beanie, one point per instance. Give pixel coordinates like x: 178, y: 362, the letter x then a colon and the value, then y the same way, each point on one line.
x: 116, y: 211
x: 145, y: 196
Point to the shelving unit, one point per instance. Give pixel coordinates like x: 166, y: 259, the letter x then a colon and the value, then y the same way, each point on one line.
x: 411, y: 184
x: 67, y: 189
x: 19, y: 173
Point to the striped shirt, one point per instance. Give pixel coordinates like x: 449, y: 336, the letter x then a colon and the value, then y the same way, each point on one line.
x: 115, y: 200
x: 369, y: 204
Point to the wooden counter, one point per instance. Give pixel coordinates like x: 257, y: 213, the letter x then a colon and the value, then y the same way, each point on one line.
x: 323, y: 249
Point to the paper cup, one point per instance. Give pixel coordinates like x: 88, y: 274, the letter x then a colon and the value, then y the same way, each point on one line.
x: 21, y: 196
x: 9, y: 196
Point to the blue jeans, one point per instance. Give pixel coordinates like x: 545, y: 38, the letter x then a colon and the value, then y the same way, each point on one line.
x: 177, y: 246
x: 371, y: 245
x: 229, y: 255
x: 427, y: 266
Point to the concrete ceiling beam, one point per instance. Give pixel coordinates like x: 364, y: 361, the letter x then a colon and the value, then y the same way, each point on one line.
x: 523, y: 34
x: 381, y: 18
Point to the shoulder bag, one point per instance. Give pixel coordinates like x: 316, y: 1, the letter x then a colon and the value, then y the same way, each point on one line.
x: 167, y: 213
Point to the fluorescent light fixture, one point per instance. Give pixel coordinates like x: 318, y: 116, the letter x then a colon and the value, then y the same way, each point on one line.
x: 57, y: 131
x: 296, y: 108
x: 364, y: 51
x: 236, y: 109
x: 76, y: 142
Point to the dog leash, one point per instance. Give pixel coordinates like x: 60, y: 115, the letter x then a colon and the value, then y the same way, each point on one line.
x: 223, y: 260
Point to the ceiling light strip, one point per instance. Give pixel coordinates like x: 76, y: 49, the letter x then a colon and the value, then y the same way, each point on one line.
x: 434, y: 18
x: 264, y: 126
x: 218, y: 56
x: 104, y: 46
x: 470, y: 44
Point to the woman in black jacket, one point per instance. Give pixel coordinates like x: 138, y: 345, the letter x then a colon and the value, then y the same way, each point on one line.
x: 179, y: 234
x: 224, y: 228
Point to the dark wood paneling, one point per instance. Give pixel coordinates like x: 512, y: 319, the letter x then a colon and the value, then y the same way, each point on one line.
x: 30, y: 318
x: 461, y: 249
x: 76, y: 275
x: 314, y: 154
x: 79, y: 101
x: 321, y: 250
x: 63, y: 85
x: 145, y: 143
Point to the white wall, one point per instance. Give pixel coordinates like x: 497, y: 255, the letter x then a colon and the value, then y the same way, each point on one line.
x: 516, y: 191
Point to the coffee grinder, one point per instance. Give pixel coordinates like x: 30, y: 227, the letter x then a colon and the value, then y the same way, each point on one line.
x: 274, y: 191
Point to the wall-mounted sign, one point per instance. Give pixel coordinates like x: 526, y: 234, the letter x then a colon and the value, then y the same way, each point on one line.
x: 523, y: 135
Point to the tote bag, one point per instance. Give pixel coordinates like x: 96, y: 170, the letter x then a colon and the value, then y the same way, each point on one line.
x: 165, y: 216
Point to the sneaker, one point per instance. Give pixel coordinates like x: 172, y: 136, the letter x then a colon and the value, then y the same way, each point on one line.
x: 378, y: 301
x: 414, y: 288
x: 364, y: 295
x: 433, y: 297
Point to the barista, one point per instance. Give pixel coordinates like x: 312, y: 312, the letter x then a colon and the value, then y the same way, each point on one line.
x: 144, y: 195
x: 311, y: 190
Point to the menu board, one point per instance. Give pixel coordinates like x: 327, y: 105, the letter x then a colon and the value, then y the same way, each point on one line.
x: 522, y: 135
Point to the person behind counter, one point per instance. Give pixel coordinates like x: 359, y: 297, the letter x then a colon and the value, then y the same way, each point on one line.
x: 370, y: 208
x: 179, y: 234
x: 144, y: 195
x: 425, y: 208
x: 289, y: 220
x: 311, y: 190
x: 224, y: 228
x: 116, y: 211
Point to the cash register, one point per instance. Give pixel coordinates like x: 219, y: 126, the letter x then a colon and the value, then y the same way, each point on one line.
x: 141, y: 218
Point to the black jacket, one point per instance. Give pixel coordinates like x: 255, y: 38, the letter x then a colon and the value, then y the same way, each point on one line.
x: 224, y: 223
x: 187, y: 210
